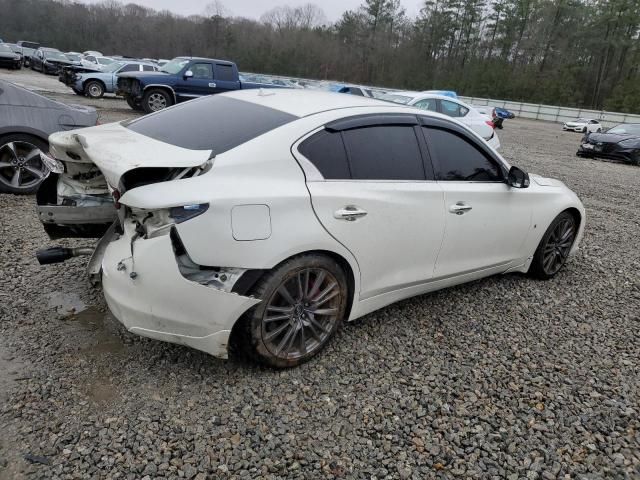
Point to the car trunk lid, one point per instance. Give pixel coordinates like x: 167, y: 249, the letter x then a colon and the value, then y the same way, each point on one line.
x: 115, y: 150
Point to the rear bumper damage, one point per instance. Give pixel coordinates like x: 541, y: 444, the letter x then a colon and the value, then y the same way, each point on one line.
x: 147, y: 293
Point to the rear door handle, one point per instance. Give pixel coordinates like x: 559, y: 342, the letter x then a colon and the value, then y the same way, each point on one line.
x: 349, y: 213
x: 460, y: 208
x: 212, y: 85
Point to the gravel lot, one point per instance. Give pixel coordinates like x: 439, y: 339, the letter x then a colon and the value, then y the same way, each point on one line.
x: 505, y: 378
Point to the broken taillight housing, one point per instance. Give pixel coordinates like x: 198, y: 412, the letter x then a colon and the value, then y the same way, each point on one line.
x: 187, y: 212
x: 490, y: 123
x: 116, y: 198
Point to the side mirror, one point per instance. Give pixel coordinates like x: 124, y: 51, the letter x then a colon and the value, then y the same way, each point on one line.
x: 188, y: 74
x: 518, y: 178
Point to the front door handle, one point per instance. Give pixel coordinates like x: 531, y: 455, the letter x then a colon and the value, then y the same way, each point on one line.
x: 460, y: 208
x: 212, y: 85
x: 349, y: 213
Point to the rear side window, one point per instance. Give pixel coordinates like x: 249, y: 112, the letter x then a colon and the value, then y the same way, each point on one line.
x: 131, y: 67
x: 225, y: 73
x: 326, y: 151
x: 427, y: 104
x: 148, y: 68
x: 453, y: 109
x: 459, y: 160
x: 386, y: 152
x: 211, y: 123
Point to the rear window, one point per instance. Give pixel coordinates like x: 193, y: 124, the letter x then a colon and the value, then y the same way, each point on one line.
x: 212, y: 123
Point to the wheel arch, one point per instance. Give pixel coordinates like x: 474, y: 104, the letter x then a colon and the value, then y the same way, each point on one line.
x: 39, y: 134
x: 256, y: 275
x: 167, y: 88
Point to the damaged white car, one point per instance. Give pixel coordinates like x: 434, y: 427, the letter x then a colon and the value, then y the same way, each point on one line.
x: 277, y: 215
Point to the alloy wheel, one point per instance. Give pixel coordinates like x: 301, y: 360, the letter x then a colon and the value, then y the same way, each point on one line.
x: 558, y: 246
x: 157, y: 101
x: 301, y: 314
x: 20, y: 165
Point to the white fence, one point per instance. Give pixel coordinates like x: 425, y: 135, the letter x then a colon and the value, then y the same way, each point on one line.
x: 554, y: 114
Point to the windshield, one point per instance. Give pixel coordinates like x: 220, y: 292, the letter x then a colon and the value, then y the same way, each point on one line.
x: 401, y: 99
x: 175, y: 65
x: 55, y: 56
x: 5, y: 48
x: 626, y: 129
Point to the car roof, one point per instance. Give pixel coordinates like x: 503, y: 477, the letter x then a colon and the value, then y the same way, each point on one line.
x: 302, y: 103
x: 223, y: 62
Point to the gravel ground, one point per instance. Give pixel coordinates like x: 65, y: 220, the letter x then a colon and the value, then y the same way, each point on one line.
x: 505, y: 378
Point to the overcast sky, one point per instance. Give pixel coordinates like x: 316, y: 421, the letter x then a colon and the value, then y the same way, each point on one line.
x: 255, y: 8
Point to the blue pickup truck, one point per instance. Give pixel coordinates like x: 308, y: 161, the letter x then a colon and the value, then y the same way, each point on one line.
x: 183, y: 78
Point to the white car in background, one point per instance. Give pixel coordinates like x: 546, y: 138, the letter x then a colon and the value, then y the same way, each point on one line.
x: 306, y: 210
x: 451, y: 107
x: 583, y: 125
x: 98, y: 63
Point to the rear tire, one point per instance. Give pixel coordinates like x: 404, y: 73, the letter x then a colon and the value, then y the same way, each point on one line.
x: 155, y: 100
x: 303, y: 304
x: 21, y: 170
x: 553, y: 250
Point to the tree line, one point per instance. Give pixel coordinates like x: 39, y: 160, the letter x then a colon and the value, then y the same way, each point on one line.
x: 580, y: 53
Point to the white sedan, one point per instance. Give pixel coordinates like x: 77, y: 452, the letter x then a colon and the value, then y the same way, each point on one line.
x: 277, y: 215
x: 479, y: 122
x: 583, y: 125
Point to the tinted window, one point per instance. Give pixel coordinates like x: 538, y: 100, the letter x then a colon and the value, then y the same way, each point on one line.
x: 326, y: 151
x: 212, y: 123
x: 202, y: 71
x: 458, y: 159
x: 225, y: 73
x: 427, y: 104
x: 356, y: 91
x: 453, y: 109
x: 131, y: 67
x: 148, y: 68
x: 384, y: 153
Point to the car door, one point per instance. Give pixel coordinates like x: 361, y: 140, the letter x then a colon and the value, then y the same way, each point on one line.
x: 373, y: 193
x: 486, y: 221
x: 226, y: 78
x: 197, y: 84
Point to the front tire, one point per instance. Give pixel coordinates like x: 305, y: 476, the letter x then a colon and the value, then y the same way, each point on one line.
x: 133, y: 104
x: 94, y: 89
x: 303, y: 304
x: 21, y: 169
x: 553, y: 250
x: 155, y: 100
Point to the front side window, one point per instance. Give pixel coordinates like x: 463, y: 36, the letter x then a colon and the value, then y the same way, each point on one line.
x: 427, y: 104
x: 453, y: 109
x: 202, y: 71
x: 457, y: 159
x: 148, y: 68
x: 385, y: 152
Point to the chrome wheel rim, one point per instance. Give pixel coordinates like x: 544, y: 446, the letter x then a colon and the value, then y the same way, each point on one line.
x: 558, y: 246
x: 20, y: 165
x: 157, y: 101
x: 95, y: 90
x: 301, y: 314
